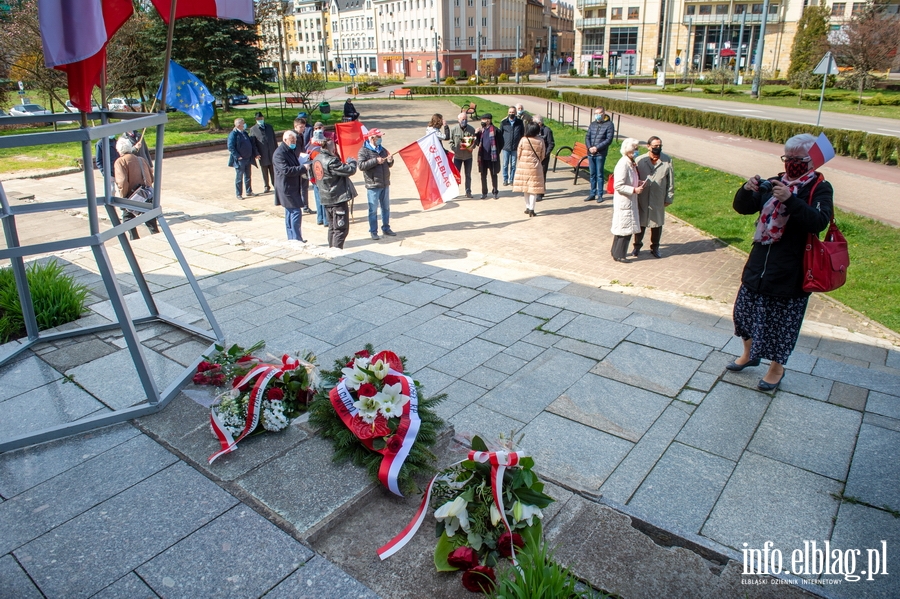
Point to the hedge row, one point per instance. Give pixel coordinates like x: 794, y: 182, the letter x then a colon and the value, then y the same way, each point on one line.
x: 856, y: 144
x: 464, y: 90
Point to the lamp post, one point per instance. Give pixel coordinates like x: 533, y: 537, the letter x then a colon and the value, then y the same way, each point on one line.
x: 549, y: 51
x: 437, y: 61
x: 517, y: 54
x: 761, y: 44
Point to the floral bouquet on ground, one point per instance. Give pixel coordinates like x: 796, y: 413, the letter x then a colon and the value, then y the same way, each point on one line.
x: 376, y: 417
x: 486, y: 507
x: 262, y: 396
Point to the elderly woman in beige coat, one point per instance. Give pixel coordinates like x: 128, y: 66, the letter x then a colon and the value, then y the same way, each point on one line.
x: 655, y: 169
x: 131, y: 172
x: 529, y: 170
x: 626, y: 220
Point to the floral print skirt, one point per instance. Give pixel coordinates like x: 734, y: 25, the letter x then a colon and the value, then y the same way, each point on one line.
x: 772, y: 322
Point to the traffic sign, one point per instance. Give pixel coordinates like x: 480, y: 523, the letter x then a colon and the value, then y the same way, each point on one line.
x: 439, y: 66
x: 628, y: 64
x: 569, y: 59
x: 352, y: 65
x: 826, y: 66
x: 559, y: 61
x: 308, y: 68
x: 21, y: 85
x: 677, y: 61
x: 352, y: 70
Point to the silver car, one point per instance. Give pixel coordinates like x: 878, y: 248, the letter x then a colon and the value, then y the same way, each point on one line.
x: 29, y: 110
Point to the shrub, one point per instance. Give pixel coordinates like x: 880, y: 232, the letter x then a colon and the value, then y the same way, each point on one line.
x: 855, y: 142
x: 871, y: 144
x: 601, y: 72
x: 573, y: 71
x: 56, y: 297
x: 886, y: 148
x: 450, y: 81
x: 590, y: 72
x: 719, y: 90
x: 674, y: 89
x: 778, y: 92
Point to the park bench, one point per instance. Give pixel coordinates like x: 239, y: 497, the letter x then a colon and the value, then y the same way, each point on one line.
x: 401, y: 93
x: 576, y: 158
x: 471, y: 110
x: 290, y: 100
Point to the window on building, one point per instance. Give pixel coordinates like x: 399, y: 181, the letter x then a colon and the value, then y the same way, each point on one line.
x: 616, y: 14
x: 690, y: 9
x: 773, y: 9
x: 858, y: 8
x: 705, y: 9
x: 456, y: 21
x: 471, y: 21
x: 721, y: 9
x: 756, y: 9
x: 622, y: 38
x: 456, y: 42
x: 471, y: 41
x: 633, y: 12
x: 740, y: 9
x: 838, y: 9
x: 484, y: 21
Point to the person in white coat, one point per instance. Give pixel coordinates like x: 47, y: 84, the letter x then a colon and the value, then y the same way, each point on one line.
x: 626, y: 220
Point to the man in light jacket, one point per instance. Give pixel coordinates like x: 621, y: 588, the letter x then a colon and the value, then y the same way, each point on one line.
x: 655, y: 170
x: 462, y: 142
x: 375, y: 162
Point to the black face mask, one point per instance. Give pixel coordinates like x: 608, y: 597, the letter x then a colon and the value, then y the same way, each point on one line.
x: 656, y: 151
x: 484, y: 124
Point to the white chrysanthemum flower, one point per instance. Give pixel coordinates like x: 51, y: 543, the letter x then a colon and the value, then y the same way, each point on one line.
x: 388, y: 408
x: 368, y: 407
x: 454, y: 515
x: 380, y: 369
x: 273, y: 418
x: 524, y: 511
x: 354, y: 377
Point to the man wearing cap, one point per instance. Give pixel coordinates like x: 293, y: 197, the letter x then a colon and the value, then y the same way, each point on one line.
x: 335, y: 190
x: 289, y: 167
x: 263, y: 137
x: 375, y: 162
x: 489, y: 140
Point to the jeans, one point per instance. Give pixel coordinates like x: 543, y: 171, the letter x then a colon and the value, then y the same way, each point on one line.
x: 596, y: 162
x: 242, y: 172
x: 292, y: 219
x: 508, y: 159
x: 379, y: 197
x: 339, y: 224
x: 321, y: 217
x: 468, y: 172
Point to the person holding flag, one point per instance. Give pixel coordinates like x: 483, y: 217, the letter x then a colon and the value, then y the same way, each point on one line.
x: 375, y: 162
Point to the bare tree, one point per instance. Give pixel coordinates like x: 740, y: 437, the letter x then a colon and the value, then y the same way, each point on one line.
x: 867, y: 44
x: 22, y: 53
x: 131, y: 63
x: 720, y: 76
x: 306, y: 87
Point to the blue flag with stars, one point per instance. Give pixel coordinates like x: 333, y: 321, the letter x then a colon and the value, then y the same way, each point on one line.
x: 188, y: 94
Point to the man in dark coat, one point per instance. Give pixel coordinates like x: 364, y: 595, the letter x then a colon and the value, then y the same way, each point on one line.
x: 113, y: 156
x: 599, y: 135
x: 242, y: 155
x: 263, y: 137
x: 350, y: 111
x: 489, y: 140
x: 335, y: 191
x: 513, y: 131
x: 304, y: 135
x: 289, y: 167
x: 546, y: 134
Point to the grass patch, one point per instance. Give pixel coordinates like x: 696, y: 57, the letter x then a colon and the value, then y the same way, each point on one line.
x: 57, y: 299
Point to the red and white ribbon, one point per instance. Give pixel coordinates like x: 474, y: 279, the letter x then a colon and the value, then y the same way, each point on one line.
x: 263, y: 373
x: 499, y: 460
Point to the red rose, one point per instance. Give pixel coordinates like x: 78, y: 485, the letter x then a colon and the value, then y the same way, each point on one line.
x: 363, y: 354
x: 463, y: 558
x: 218, y: 380
x: 275, y: 393
x: 238, y: 379
x: 367, y: 390
x: 199, y: 379
x: 350, y: 363
x: 364, y: 430
x: 204, y: 366
x: 479, y: 579
x: 246, y: 358
x: 389, y: 358
x: 504, y: 546
x: 395, y: 444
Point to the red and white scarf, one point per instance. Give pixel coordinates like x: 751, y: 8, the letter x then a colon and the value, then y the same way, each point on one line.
x: 773, y: 217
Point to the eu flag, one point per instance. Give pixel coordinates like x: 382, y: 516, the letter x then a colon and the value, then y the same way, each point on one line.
x: 188, y: 94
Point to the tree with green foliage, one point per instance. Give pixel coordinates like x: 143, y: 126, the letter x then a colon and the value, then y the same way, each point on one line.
x: 223, y: 53
x: 131, y: 63
x: 810, y: 45
x: 868, y: 44
x: 22, y: 52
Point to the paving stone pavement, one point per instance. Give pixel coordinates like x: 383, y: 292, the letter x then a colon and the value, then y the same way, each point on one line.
x: 663, y: 465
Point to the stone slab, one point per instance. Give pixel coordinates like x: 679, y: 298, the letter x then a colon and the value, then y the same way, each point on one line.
x: 809, y: 434
x: 702, y: 381
x: 861, y: 527
x: 528, y: 392
x: 572, y: 454
x: 682, y: 488
x: 378, y: 310
x: 467, y: 357
x: 24, y: 468
x: 129, y: 586
x: 456, y: 297
x: 588, y: 350
x: 304, y: 486
x: 652, y: 306
x: 647, y: 368
x: 225, y: 557
x: 416, y: 293
x: 418, y: 352
x: 585, y: 306
x: 882, y: 421
x: 801, y: 361
x: 875, y: 380
x: 14, y: 582
x: 629, y: 474
x: 725, y: 421
x: 807, y: 385
x: 506, y: 363
x: 42, y: 508
x: 767, y: 500
x: 698, y: 334
x: 77, y: 354
x: 137, y: 308
x: 478, y: 420
x: 97, y: 548
x: 512, y: 329
x: 24, y: 375
x: 463, y: 279
x: 411, y: 268
x: 595, y: 330
x: 514, y: 291
x: 875, y: 472
x: 855, y: 350
x: 492, y: 308
x: 113, y: 379
x: 55, y: 403
x: 559, y: 321
x: 541, y: 310
x: 668, y: 343
x: 610, y: 406
x: 320, y: 579
x: 464, y: 392
x: 548, y: 283
x: 886, y: 405
x: 445, y: 332
x: 525, y: 351
x: 432, y: 381
x: 338, y: 328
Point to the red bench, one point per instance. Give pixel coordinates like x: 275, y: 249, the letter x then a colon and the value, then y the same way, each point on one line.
x: 576, y: 158
x: 292, y: 100
x: 401, y: 93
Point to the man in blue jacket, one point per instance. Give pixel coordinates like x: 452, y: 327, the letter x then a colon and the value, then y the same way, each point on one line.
x: 242, y: 156
x: 513, y: 130
x: 600, y: 134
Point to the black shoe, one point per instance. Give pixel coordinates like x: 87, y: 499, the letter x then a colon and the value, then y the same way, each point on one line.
x: 591, y: 198
x: 600, y: 199
x: 250, y: 194
x: 484, y: 196
x: 302, y: 240
x: 764, y: 386
x: 389, y: 233
x: 496, y: 195
x: 735, y: 367
x: 308, y: 211
x: 469, y: 195
x: 375, y: 237
x: 655, y: 253
x: 531, y: 213
x: 506, y: 183
x: 635, y: 253
x: 527, y: 211
x: 238, y: 198
x: 266, y: 190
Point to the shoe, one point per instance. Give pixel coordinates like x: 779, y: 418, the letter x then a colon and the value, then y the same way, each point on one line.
x: 527, y: 211
x: 591, y: 198
x: 302, y: 240
x: 635, y: 253
x: 496, y: 195
x: 389, y: 232
x: 655, y: 253
x: 484, y: 196
x: 308, y: 211
x: 531, y: 213
x: 600, y: 199
x: 469, y: 195
x: 506, y: 182
x: 625, y: 260
x: 266, y: 190
x: 375, y: 237
x: 735, y: 367
x: 764, y: 386
x: 238, y: 198
x: 250, y: 194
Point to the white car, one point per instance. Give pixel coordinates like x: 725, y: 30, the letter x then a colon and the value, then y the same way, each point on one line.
x: 71, y: 107
x: 125, y: 104
x: 28, y: 110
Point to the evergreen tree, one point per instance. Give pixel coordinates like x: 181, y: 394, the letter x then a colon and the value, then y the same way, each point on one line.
x: 810, y: 45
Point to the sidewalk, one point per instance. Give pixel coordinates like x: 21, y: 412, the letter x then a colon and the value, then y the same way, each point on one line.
x: 663, y: 463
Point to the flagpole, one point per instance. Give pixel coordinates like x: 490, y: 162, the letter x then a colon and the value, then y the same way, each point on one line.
x: 160, y: 129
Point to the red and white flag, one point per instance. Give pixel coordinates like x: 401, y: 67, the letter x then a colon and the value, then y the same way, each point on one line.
x: 74, y: 35
x: 431, y: 170
x: 241, y: 10
x: 350, y: 137
x: 821, y: 151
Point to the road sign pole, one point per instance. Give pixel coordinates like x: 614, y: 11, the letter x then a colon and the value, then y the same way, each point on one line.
x: 825, y: 68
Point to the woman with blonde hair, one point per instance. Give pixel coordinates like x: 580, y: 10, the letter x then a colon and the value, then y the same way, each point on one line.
x: 626, y: 220
x: 437, y: 125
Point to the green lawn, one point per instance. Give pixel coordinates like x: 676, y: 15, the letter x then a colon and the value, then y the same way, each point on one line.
x: 704, y: 197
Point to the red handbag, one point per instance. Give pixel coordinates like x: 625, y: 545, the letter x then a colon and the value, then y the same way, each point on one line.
x: 825, y: 262
x: 610, y: 186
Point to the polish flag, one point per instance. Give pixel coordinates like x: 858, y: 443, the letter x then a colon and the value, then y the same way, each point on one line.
x: 821, y: 151
x: 350, y: 138
x: 242, y: 10
x: 74, y: 35
x: 431, y: 170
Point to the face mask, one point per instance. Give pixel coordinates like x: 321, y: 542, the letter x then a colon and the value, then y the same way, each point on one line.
x: 656, y: 151
x: 597, y: 117
x: 463, y: 124
x: 520, y: 112
x: 260, y: 122
x: 795, y: 168
x: 512, y: 117
x: 484, y: 124
x: 112, y: 136
x: 292, y: 146
x: 378, y: 144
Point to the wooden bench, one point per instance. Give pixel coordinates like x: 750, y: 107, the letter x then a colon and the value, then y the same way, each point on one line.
x: 576, y: 158
x: 400, y: 93
x: 471, y: 110
x: 291, y: 100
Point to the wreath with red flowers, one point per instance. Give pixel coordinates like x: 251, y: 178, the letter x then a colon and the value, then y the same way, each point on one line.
x: 378, y: 418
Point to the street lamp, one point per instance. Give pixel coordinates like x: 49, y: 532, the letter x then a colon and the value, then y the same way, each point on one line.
x: 437, y: 61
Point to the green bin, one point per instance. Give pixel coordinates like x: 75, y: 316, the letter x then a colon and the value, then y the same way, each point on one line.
x: 324, y: 107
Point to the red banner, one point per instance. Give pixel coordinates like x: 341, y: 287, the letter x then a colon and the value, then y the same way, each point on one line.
x: 350, y: 139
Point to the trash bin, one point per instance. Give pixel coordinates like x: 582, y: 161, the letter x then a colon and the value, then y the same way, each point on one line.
x: 324, y: 107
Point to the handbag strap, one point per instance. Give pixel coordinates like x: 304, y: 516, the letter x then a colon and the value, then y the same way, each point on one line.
x: 819, y: 179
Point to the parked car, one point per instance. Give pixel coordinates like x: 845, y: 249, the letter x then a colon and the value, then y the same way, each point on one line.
x: 71, y: 107
x: 125, y: 104
x: 28, y: 110
x: 236, y: 98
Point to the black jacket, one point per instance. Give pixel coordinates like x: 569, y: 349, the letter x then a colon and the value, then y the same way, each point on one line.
x: 512, y: 134
x: 484, y: 154
x: 376, y: 176
x: 333, y: 178
x: 287, y: 177
x: 547, y: 135
x: 264, y: 141
x: 600, y: 135
x: 777, y: 269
